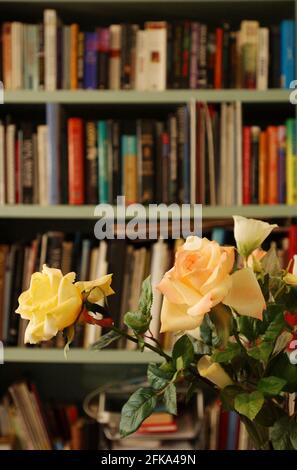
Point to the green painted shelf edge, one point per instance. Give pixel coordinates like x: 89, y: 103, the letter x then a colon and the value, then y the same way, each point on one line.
x: 56, y: 2
x: 23, y: 211
x: 147, y: 97
x: 78, y: 356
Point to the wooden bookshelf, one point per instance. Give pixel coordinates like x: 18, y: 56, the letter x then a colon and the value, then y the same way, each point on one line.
x: 146, y: 97
x: 78, y: 356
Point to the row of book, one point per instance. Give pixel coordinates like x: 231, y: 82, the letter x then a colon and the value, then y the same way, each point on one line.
x: 27, y: 423
x: 198, y: 153
x: 156, y: 56
x: 91, y: 260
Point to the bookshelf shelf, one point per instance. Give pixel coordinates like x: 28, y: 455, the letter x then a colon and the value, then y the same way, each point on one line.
x: 78, y: 356
x: 21, y: 211
x: 147, y: 97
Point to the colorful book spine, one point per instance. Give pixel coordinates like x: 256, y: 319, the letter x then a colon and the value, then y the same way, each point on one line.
x: 91, y: 163
x: 74, y: 30
x: 246, y: 173
x: 115, y: 57
x: 281, y: 173
x: 288, y: 51
x: 272, y: 188
x: 194, y: 55
x: 103, y: 162
x: 129, y: 165
x: 50, y: 48
x: 291, y: 161
x: 90, y: 72
x: 75, y: 161
x: 218, y: 59
x: 263, y: 167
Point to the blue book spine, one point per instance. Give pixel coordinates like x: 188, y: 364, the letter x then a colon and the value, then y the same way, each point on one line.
x: 102, y: 132
x: 129, y: 165
x: 90, y: 61
x: 287, y: 59
x: 53, y: 123
x: 218, y: 234
x: 186, y: 159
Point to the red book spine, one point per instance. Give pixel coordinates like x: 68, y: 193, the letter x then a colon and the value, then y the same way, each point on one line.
x: 75, y: 161
x: 292, y: 249
x: 272, y: 167
x: 223, y: 430
x: 246, y: 174
x: 218, y: 58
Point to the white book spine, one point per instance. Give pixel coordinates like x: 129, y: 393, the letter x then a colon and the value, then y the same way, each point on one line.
x: 156, y: 58
x: 141, y: 60
x: 115, y: 57
x: 42, y: 146
x: 50, y: 47
x: 16, y: 55
x: 10, y: 163
x: 263, y: 58
x: 2, y: 165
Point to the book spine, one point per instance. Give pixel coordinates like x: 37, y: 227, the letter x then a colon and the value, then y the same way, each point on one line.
x: 75, y: 161
x: 103, y: 162
x: 226, y: 56
x: 16, y: 55
x: 263, y: 56
x: 249, y: 31
x: 41, y: 56
x: 42, y: 150
x: 90, y: 75
x: 255, y: 131
x: 156, y: 54
x: 103, y: 57
x: 17, y: 165
x: 194, y: 55
x: 263, y: 167
x: 173, y: 159
x: 274, y: 57
x: 129, y: 157
x: 177, y: 54
x: 126, y: 57
x: 186, y: 47
x: 147, y: 162
x: 10, y: 162
x: 74, y: 30
x: 27, y: 168
x: 2, y: 165
x: 165, y: 167
x: 91, y: 163
x: 80, y: 59
x: 116, y: 160
x: 66, y: 58
x: 7, y: 66
x: 246, y: 197
x: 202, y: 57
x: 50, y: 48
x: 141, y: 61
x: 59, y: 56
x: 115, y: 57
x: 281, y: 144
x: 287, y: 61
x: 291, y: 161
x: 218, y: 58
x: 54, y: 152
x: 272, y: 165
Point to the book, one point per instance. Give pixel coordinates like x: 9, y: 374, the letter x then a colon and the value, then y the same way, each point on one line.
x: 287, y: 53
x: 75, y: 161
x: 103, y: 175
x: 50, y: 49
x: 291, y: 161
x: 53, y: 118
x: 156, y: 55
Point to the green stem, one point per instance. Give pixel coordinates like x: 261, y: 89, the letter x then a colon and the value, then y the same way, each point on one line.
x: 147, y: 345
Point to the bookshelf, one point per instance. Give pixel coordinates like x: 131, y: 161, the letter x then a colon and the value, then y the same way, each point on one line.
x: 147, y: 97
x: 26, y: 211
x: 267, y: 9
x: 78, y: 356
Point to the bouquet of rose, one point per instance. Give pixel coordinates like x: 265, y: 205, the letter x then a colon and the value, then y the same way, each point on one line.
x: 235, y: 318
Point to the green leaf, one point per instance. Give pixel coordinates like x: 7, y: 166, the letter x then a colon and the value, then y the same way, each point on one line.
x: 293, y: 434
x: 261, y: 352
x: 206, y: 329
x: 146, y: 297
x: 271, y: 385
x: 289, y: 299
x: 280, y: 434
x: 69, y: 333
x: 228, y: 395
x: 231, y: 350
x: 137, y: 322
x: 221, y: 317
x: 139, y: 406
x: 246, y: 327
x: 282, y: 367
x: 249, y: 404
x: 275, y: 328
x: 184, y: 349
x: 106, y: 340
x: 170, y: 399
x: 158, y: 378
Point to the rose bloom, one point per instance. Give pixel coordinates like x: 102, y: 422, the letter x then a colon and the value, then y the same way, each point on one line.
x: 200, y: 279
x: 53, y: 302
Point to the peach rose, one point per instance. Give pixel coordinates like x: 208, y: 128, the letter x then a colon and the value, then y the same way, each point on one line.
x: 200, y: 279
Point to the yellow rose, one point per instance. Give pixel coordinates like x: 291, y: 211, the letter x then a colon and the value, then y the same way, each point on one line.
x: 201, y: 279
x: 213, y: 372
x: 51, y: 304
x: 96, y: 290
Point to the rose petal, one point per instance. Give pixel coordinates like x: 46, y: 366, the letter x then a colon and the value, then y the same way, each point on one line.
x: 174, y: 318
x: 245, y: 295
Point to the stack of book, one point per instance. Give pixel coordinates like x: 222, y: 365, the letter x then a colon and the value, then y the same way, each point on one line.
x: 29, y: 424
x: 90, y: 260
x: 152, y: 56
x: 198, y: 153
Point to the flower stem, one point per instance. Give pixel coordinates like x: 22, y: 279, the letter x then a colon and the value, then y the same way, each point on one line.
x: 147, y: 345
